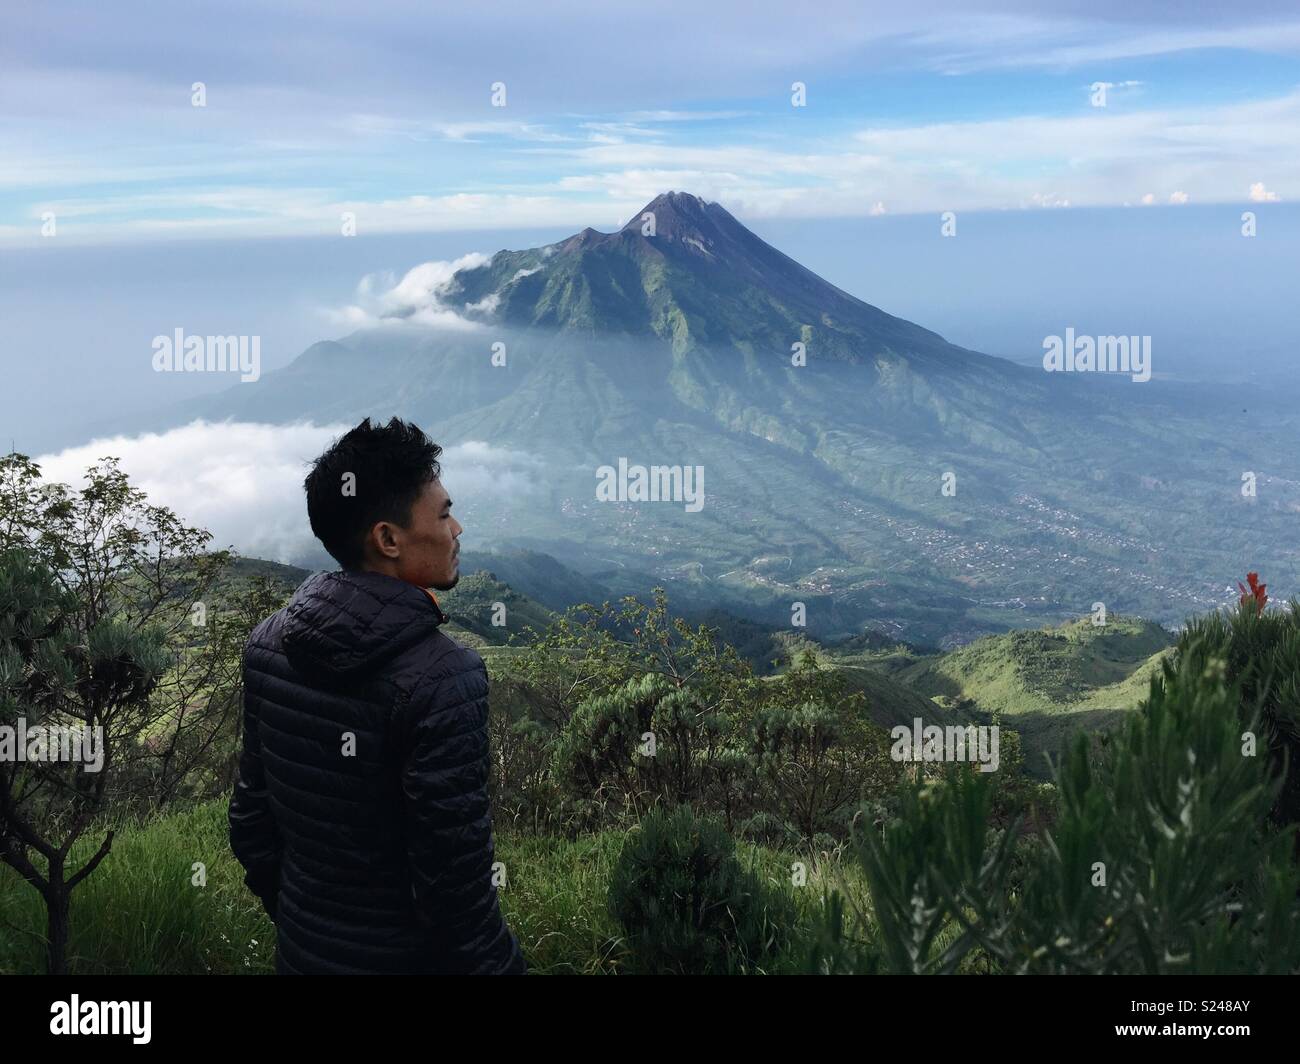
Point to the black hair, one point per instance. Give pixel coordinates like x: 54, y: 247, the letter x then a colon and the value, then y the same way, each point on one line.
x: 389, y: 466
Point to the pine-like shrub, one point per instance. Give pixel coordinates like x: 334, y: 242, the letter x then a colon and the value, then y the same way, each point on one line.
x: 1161, y: 860
x: 1260, y: 652
x: 687, y: 904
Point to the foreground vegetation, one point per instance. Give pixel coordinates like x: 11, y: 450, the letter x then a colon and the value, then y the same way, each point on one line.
x: 660, y: 805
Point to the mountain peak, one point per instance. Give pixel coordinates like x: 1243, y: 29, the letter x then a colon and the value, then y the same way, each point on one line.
x: 681, y: 215
x: 645, y: 278
x: 678, y: 203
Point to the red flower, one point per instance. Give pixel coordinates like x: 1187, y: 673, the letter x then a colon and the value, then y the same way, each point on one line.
x: 1255, y: 592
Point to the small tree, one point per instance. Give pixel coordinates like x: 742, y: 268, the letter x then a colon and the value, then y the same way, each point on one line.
x: 814, y: 751
x: 524, y: 792
x: 576, y: 657
x: 643, y: 707
x: 64, y: 683
x: 647, y: 740
x: 109, y: 624
x: 814, y: 761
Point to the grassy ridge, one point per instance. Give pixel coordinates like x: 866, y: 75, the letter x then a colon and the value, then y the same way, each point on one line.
x: 1046, y: 683
x: 1076, y: 665
x: 471, y: 604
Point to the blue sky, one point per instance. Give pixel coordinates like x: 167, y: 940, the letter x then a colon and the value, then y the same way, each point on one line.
x: 385, y: 110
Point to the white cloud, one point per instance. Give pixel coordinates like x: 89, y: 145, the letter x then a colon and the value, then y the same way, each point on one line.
x: 1045, y: 199
x: 1259, y: 194
x: 421, y: 129
x: 297, y: 212
x: 242, y: 481
x: 1178, y: 196
x: 1090, y: 158
x: 487, y: 305
x: 877, y: 209
x: 419, y: 298
x: 685, y: 116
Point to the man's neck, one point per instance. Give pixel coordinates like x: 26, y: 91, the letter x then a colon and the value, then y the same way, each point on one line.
x: 392, y: 571
x: 386, y: 567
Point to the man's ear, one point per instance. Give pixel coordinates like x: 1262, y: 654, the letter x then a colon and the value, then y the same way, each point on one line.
x: 384, y: 540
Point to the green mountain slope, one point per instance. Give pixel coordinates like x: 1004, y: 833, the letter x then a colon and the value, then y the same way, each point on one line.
x: 1076, y: 665
x: 541, y: 577
x: 889, y: 699
x: 1045, y: 683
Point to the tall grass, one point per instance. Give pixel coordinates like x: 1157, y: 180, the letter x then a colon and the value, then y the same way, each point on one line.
x: 141, y: 913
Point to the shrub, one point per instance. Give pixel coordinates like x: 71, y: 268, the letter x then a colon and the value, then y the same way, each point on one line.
x: 1160, y: 861
x: 1260, y: 653
x: 687, y: 905
x: 812, y: 761
x: 525, y: 796
x: 645, y: 742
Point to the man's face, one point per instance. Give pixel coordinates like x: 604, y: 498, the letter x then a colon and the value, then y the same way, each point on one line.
x: 425, y: 551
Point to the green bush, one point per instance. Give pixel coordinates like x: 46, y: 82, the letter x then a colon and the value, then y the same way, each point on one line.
x: 1161, y: 859
x: 686, y: 903
x: 1260, y: 653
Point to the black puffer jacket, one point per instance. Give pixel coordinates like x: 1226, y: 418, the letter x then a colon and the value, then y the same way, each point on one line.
x: 361, y: 813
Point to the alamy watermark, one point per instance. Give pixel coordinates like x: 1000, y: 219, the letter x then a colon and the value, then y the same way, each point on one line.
x: 102, y: 1017
x: 179, y: 353
x: 1098, y: 354
x: 55, y: 742
x: 975, y: 743
x: 638, y: 483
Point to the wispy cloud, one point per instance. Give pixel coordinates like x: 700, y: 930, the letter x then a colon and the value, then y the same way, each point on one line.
x: 968, y: 42
x: 418, y: 298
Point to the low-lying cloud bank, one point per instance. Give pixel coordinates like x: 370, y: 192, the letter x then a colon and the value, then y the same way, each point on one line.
x: 242, y: 481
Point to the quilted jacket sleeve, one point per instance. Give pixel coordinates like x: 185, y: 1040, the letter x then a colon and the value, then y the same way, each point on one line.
x: 448, y: 820
x: 253, y: 835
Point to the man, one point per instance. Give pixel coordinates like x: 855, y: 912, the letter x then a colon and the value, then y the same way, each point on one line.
x: 361, y: 812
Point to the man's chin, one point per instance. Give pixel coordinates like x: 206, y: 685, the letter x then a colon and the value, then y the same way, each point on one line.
x: 447, y: 585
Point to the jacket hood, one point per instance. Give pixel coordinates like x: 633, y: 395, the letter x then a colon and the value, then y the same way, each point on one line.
x: 347, y: 624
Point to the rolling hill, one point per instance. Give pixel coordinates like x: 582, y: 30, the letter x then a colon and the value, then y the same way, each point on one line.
x: 1044, y: 683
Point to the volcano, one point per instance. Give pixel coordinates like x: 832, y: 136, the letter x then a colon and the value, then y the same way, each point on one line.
x: 855, y: 460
